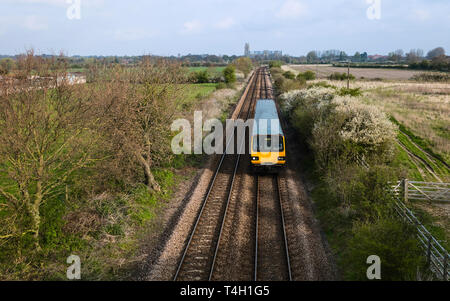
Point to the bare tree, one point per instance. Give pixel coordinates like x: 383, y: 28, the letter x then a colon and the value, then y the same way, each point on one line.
x: 138, y: 109
x: 244, y: 64
x: 44, y: 135
x: 414, y: 56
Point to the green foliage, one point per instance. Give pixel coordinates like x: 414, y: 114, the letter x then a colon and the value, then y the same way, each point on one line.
x: 289, y: 75
x: 352, y: 145
x: 283, y: 84
x: 307, y: 75
x: 221, y: 86
x: 229, y: 74
x: 321, y: 85
x: 244, y: 64
x: 440, y: 63
x: 432, y: 77
x: 341, y: 76
x: 425, y: 145
x: 273, y: 64
x: 202, y: 77
x: 350, y: 92
x: 276, y: 71
x: 390, y: 239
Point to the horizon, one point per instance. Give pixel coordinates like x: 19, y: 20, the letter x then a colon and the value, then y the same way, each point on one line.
x: 113, y: 28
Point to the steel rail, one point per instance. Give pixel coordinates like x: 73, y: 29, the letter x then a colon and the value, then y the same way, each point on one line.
x: 286, y: 246
x: 253, y: 82
x: 252, y: 100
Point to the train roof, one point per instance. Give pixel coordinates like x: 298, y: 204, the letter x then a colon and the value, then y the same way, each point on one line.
x: 266, y: 118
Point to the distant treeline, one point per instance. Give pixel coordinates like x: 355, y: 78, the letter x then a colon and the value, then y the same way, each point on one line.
x: 442, y: 64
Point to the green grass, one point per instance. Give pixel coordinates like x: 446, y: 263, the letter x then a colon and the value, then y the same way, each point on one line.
x: 77, y: 70
x: 194, y: 93
x: 423, y: 149
x: 213, y: 71
x: 403, y: 162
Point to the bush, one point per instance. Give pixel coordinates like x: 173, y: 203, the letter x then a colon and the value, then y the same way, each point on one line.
x: 339, y: 128
x: 201, y: 77
x: 350, y: 131
x: 308, y: 75
x: 221, y: 86
x: 276, y: 71
x: 321, y: 85
x: 229, y: 74
x: 244, y: 64
x: 273, y: 64
x: 289, y: 75
x: 393, y: 241
x: 283, y: 85
x: 340, y: 76
x: 432, y: 77
x: 350, y: 92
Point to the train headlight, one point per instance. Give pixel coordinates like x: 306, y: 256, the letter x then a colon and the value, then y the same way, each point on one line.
x: 281, y: 158
x: 255, y: 158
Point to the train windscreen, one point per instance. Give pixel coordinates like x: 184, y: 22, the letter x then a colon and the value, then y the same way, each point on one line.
x: 267, y: 144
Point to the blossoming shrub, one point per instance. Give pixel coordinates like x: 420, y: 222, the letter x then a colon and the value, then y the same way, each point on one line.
x: 339, y: 127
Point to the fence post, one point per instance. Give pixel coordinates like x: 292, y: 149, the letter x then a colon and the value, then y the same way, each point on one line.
x: 405, y: 189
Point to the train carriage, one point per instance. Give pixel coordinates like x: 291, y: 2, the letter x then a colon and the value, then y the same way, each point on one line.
x: 268, y: 145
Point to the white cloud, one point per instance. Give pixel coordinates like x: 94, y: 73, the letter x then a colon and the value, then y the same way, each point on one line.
x: 192, y: 27
x: 291, y: 9
x: 65, y: 3
x: 225, y: 23
x: 133, y: 34
x: 35, y: 23
x: 421, y: 14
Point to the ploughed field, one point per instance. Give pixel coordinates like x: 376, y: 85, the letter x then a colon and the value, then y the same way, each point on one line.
x: 323, y: 71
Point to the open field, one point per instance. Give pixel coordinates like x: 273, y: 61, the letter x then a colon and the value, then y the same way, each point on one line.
x: 323, y: 71
x: 422, y: 111
x: 214, y: 71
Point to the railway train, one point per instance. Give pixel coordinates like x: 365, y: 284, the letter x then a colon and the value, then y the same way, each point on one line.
x: 268, y: 143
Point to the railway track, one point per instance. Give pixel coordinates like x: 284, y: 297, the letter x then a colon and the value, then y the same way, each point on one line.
x: 198, y: 258
x: 210, y: 253
x: 272, y: 262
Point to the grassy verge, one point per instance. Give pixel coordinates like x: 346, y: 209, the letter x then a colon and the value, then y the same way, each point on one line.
x: 353, y: 201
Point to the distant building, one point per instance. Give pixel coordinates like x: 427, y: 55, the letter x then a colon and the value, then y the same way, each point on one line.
x: 377, y: 57
x: 247, y: 50
x: 265, y: 54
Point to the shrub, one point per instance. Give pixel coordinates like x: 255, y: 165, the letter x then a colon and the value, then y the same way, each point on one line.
x: 350, y: 92
x: 339, y: 128
x: 308, y: 75
x: 340, y: 76
x: 351, y: 131
x: 432, y: 77
x: 244, y: 64
x: 283, y: 85
x: 273, y: 64
x: 321, y: 85
x: 221, y: 86
x: 289, y: 75
x: 276, y: 71
x: 229, y: 74
x: 393, y: 241
x: 201, y: 77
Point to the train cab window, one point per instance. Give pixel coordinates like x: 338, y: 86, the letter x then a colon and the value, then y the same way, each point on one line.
x: 267, y: 144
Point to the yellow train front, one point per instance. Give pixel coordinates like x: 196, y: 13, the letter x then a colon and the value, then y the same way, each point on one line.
x: 268, y: 143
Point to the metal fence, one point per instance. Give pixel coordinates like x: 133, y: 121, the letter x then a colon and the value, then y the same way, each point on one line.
x: 438, y: 259
x: 425, y: 191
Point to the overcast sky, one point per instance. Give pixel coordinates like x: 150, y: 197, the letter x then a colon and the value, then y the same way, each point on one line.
x: 170, y: 27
